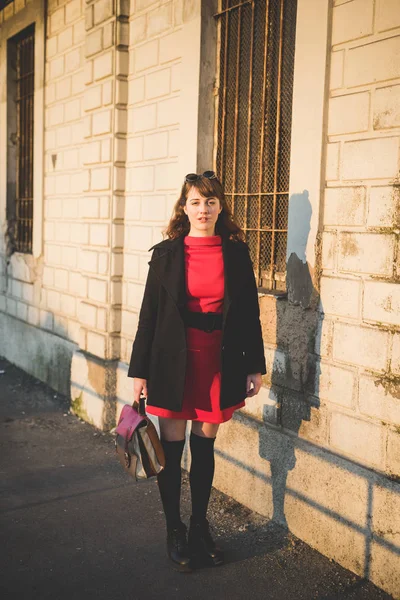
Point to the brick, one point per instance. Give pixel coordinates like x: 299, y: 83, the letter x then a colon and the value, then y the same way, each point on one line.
x: 136, y: 90
x: 103, y: 65
x: 349, y: 113
x: 171, y: 47
x: 100, y: 179
x: 141, y: 179
x: 373, y: 62
x: 173, y: 143
x: 79, y: 233
x: 386, y: 112
x: 89, y: 17
x: 55, y: 115
x: 142, y: 4
x: 332, y: 161
x: 329, y: 243
x: 107, y: 92
x: 146, y: 56
x: 57, y: 67
x: 91, y: 153
x: 120, y: 148
x: 121, y: 89
x: 102, y: 267
x: 28, y: 292
x: 134, y: 295
x: 360, y: 346
x: 156, y: 146
x: 176, y: 77
x: 382, y: 302
x: 116, y: 292
x: 87, y: 314
x: 22, y: 311
x: 63, y: 88
x: 33, y: 316
x: 120, y: 120
x: 73, y: 60
x: 352, y: 20
x: 65, y: 39
x: 159, y: 20
x: 53, y: 300
x: 344, y: 206
x: 393, y: 452
x: 158, y: 84
x: 340, y: 297
x: 78, y: 182
x: 178, y: 12
x: 63, y: 136
x: 98, y: 234
x: 61, y: 279
x: 88, y: 72
x: 72, y: 110
x: 357, y: 438
x: 97, y: 290
x: 103, y: 10
x: 138, y: 28
x: 62, y: 184
x: 366, y: 253
x: 167, y: 176
x: 46, y: 319
x: 92, y: 98
x: 375, y: 401
x: 382, y: 207
x: 68, y: 305
x: 72, y: 10
x: 101, y: 319
x: 334, y: 384
x: 49, y: 231
x: 79, y: 32
x: 94, y: 42
x: 142, y: 119
x: 139, y: 238
x: 51, y: 47
x: 395, y: 362
x: 88, y: 261
x: 108, y: 35
x: 122, y: 66
x: 101, y: 122
x: 11, y: 304
x: 89, y: 207
x: 132, y: 208
x: 106, y: 150
x: 388, y: 15
x: 96, y: 344
x: 371, y: 159
x: 69, y: 256
x: 71, y: 159
x: 168, y: 112
x: 153, y: 208
x: 131, y: 266
x: 57, y: 20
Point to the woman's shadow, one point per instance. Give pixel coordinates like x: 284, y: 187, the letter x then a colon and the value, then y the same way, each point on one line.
x: 293, y: 378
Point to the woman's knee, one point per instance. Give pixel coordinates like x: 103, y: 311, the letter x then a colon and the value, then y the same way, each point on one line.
x: 172, y: 430
x: 208, y: 430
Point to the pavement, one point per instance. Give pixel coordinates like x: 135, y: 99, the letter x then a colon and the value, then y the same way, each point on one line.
x: 74, y: 525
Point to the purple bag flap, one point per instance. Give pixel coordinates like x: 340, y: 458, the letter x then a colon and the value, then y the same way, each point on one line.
x: 129, y: 420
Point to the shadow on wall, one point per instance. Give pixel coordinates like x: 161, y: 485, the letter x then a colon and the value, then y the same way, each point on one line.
x: 337, y: 504
x: 293, y: 378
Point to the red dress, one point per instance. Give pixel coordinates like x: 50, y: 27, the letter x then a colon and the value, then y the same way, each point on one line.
x: 204, y: 269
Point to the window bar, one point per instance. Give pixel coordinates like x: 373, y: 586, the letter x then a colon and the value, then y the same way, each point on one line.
x: 235, y: 128
x: 277, y: 141
x: 258, y: 249
x: 249, y: 129
x: 222, y: 166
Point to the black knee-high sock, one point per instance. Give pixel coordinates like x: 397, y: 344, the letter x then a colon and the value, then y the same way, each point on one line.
x: 169, y: 482
x: 201, y: 474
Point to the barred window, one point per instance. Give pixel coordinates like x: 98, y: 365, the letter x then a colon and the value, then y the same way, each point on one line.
x: 256, y: 64
x: 20, y: 98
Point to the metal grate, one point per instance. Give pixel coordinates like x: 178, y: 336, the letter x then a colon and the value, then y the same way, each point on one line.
x: 256, y: 64
x: 25, y: 56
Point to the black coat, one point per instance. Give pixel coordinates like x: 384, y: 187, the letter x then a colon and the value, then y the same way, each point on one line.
x: 159, y: 351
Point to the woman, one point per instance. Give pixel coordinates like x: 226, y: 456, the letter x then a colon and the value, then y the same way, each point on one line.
x: 198, y: 351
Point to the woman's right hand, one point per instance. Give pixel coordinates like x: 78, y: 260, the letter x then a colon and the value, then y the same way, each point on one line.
x: 139, y: 387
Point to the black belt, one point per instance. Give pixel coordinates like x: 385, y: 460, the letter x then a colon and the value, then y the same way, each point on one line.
x: 207, y: 321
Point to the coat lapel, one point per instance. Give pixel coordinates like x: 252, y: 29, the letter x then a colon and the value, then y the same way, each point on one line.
x: 169, y: 266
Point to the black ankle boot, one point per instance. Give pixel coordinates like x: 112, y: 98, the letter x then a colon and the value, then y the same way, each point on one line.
x: 202, y: 547
x: 177, y: 548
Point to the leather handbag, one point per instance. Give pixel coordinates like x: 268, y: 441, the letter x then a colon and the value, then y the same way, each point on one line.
x: 137, y: 444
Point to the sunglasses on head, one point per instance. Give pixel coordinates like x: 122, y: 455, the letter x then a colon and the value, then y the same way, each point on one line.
x: 192, y: 177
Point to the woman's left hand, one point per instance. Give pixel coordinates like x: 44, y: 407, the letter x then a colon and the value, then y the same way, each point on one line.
x: 256, y: 380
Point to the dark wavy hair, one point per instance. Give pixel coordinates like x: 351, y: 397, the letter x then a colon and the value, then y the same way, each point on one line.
x: 225, y: 226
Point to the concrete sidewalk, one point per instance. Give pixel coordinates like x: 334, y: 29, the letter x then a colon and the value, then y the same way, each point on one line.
x: 74, y: 526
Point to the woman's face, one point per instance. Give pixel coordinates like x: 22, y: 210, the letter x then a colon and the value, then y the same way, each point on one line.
x: 202, y: 213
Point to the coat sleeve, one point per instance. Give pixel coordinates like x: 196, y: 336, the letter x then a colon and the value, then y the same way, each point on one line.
x: 141, y: 349
x: 254, y: 344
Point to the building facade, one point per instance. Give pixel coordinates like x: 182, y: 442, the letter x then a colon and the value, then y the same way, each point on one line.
x: 105, y: 105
